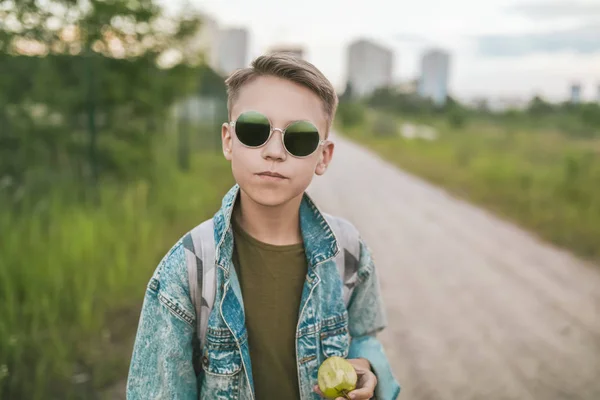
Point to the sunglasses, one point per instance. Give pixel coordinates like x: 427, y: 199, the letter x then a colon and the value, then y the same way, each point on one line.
x: 300, y: 138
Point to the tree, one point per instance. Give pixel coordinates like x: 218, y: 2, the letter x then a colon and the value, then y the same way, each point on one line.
x: 383, y: 97
x: 590, y: 116
x: 211, y: 83
x: 351, y: 113
x: 348, y: 93
x: 84, y: 85
x: 538, y: 107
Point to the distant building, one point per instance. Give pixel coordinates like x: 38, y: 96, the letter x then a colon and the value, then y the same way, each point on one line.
x: 370, y: 66
x: 206, y: 42
x: 232, y: 50
x: 297, y: 51
x: 435, y: 66
x: 576, y: 93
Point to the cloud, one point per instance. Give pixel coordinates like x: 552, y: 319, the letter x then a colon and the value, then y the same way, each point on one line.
x: 582, y: 40
x: 559, y: 9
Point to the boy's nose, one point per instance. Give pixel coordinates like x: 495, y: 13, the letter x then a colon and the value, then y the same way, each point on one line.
x: 274, y: 148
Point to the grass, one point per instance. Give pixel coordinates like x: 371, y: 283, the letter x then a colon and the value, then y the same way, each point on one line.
x: 544, y: 181
x: 73, y: 275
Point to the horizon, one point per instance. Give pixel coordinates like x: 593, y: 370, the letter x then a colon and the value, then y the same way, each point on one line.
x: 499, y: 50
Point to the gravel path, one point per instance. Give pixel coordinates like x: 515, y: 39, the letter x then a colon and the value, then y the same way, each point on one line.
x: 478, y: 308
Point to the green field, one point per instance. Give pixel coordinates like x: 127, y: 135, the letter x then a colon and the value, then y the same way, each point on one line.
x: 73, y: 275
x: 106, y: 159
x: 543, y: 180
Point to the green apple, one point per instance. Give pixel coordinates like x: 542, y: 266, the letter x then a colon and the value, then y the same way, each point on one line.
x: 336, y: 377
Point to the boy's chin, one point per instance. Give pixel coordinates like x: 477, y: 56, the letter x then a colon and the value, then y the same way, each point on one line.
x: 272, y: 196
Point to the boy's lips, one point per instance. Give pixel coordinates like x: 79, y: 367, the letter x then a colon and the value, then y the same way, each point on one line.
x: 271, y: 174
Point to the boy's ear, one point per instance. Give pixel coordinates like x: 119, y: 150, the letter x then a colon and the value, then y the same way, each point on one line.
x: 325, y: 157
x: 226, y: 140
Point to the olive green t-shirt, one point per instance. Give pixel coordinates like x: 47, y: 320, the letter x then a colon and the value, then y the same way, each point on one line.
x: 271, y: 278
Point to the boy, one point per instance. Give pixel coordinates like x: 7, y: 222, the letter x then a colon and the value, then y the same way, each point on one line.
x: 278, y: 311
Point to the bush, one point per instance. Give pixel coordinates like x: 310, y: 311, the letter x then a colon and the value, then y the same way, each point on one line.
x: 384, y: 126
x: 350, y: 114
x: 457, y: 118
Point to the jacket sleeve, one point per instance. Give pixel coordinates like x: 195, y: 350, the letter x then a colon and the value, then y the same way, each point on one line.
x: 367, y: 317
x: 161, y: 364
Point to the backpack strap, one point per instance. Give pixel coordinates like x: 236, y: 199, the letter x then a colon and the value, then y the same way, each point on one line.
x: 201, y: 266
x: 347, y: 260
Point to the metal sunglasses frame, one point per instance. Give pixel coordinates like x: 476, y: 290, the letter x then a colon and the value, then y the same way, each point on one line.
x: 271, y: 130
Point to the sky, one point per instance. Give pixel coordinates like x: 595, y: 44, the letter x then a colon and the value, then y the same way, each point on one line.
x: 499, y: 48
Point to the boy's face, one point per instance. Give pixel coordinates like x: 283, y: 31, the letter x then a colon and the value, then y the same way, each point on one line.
x: 282, y: 102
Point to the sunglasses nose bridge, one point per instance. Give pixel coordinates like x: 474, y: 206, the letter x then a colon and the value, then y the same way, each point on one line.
x: 273, y: 130
x: 273, y: 147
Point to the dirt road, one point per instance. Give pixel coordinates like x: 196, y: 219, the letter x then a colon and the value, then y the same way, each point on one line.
x: 478, y: 309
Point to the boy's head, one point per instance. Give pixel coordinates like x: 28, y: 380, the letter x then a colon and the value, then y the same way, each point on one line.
x: 278, y: 93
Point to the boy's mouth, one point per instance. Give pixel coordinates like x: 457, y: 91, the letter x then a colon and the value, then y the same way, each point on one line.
x: 271, y: 174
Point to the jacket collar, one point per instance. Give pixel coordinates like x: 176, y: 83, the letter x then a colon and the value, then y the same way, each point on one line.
x: 319, y: 241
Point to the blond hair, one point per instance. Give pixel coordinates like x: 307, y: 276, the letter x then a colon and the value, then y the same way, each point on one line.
x: 287, y: 67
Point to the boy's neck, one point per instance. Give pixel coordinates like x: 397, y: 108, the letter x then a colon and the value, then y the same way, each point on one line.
x: 276, y: 225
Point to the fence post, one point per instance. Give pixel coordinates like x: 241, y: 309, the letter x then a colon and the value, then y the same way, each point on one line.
x: 184, y: 142
x: 91, y: 114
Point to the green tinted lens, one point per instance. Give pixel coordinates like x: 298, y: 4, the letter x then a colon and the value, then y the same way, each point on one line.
x: 301, y: 138
x: 252, y: 128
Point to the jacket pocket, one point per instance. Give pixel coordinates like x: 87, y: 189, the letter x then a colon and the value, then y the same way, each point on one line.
x: 335, y: 337
x: 176, y: 308
x: 221, y: 366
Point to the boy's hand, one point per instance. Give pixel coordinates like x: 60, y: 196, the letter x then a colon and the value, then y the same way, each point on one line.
x: 365, y: 387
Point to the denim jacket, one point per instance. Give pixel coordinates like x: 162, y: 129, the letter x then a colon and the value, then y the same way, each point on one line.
x: 166, y: 349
